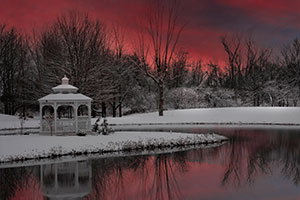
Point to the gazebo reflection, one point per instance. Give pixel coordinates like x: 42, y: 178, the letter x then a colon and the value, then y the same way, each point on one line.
x: 70, y: 180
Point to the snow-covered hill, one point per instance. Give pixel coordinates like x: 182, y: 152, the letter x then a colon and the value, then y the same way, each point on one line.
x: 230, y: 115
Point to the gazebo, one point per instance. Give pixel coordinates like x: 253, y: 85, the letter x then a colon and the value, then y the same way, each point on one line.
x: 65, y: 110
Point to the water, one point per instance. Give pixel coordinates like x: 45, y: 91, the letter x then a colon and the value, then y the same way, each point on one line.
x: 255, y: 164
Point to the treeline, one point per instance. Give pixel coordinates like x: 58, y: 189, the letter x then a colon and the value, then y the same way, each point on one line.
x: 76, y: 46
x: 95, y: 60
x: 253, y: 76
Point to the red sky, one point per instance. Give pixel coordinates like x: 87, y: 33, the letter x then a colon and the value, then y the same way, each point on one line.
x: 272, y: 23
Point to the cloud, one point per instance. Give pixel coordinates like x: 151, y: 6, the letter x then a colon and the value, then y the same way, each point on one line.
x: 273, y: 23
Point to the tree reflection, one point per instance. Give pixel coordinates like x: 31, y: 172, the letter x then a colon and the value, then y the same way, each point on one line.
x: 246, y: 160
x: 13, y: 179
x: 291, y: 158
x: 234, y: 170
x: 250, y: 155
x: 139, y: 177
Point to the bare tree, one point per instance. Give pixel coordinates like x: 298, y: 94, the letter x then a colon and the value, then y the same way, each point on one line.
x: 232, y: 47
x: 248, y: 66
x: 13, y: 61
x: 213, y: 74
x: 123, y: 72
x: 291, y: 62
x: 255, y: 76
x: 179, y: 69
x: 197, y: 73
x: 76, y: 46
x: 162, y: 32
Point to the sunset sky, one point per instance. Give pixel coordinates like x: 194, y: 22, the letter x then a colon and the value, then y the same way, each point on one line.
x: 272, y: 23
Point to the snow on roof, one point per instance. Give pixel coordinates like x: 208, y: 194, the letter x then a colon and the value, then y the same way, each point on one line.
x: 65, y: 92
x: 65, y: 97
x: 64, y: 87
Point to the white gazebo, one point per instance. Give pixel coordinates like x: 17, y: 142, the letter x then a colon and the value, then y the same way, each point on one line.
x: 65, y: 110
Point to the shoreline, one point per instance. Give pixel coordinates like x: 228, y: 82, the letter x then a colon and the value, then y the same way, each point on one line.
x: 35, y: 130
x: 72, y: 158
x: 225, y: 116
x: 36, y: 147
x: 210, y: 123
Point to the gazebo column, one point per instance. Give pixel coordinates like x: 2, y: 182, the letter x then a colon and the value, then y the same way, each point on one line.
x: 55, y: 177
x: 89, y: 114
x: 55, y: 117
x: 76, y: 117
x: 76, y: 176
x: 41, y: 175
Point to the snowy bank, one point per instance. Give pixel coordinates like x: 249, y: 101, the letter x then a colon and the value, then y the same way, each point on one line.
x: 231, y: 115
x: 9, y: 122
x: 22, y: 147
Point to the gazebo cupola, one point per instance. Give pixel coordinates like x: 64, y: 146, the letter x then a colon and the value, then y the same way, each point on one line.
x: 65, y: 110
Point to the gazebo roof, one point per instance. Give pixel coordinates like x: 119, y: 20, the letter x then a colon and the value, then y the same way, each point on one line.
x: 64, y: 87
x: 65, y: 97
x: 65, y: 92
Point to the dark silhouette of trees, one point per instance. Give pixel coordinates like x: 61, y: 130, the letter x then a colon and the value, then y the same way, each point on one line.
x: 291, y: 61
x: 76, y: 46
x: 197, y: 74
x: 178, y: 70
x: 233, y: 49
x: 13, y: 69
x: 255, y: 76
x: 97, y: 62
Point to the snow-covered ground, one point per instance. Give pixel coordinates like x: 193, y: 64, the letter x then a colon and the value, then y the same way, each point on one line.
x: 232, y: 115
x: 22, y: 147
x: 19, y: 147
x: 13, y: 122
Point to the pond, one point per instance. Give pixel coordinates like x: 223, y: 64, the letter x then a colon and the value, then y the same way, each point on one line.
x: 257, y: 163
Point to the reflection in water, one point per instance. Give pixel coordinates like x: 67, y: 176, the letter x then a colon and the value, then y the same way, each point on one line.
x: 260, y: 154
x: 70, y: 180
x: 66, y: 180
x: 13, y: 179
x: 138, y: 177
x: 253, y: 165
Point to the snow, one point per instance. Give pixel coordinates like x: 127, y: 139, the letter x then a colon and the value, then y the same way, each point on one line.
x: 13, y: 122
x: 66, y: 97
x: 20, y: 147
x: 64, y: 87
x: 231, y: 115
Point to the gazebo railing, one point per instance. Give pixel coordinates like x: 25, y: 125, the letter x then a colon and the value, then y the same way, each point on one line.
x: 67, y: 125
x: 63, y: 125
x: 83, y: 123
x: 45, y: 126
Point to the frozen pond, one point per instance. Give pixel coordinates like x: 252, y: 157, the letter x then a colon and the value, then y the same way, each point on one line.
x: 258, y: 163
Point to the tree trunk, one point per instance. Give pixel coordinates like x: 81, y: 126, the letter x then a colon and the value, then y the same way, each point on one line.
x: 120, y: 109
x: 161, y: 100
x: 103, y: 109
x: 114, y: 109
